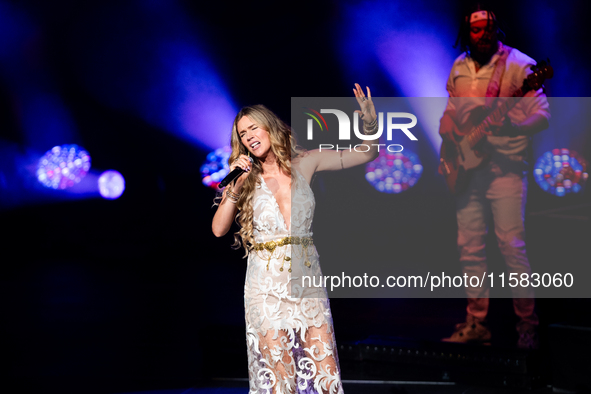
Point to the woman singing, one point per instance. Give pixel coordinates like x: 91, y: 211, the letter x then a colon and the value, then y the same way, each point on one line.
x: 289, y: 329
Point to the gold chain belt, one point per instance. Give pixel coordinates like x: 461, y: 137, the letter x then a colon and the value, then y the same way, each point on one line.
x: 271, y: 247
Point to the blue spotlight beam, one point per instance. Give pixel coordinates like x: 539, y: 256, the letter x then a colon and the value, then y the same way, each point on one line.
x: 410, y: 42
x: 45, y: 119
x: 157, y: 70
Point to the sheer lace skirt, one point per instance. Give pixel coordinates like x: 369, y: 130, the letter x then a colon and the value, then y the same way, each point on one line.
x: 290, y: 340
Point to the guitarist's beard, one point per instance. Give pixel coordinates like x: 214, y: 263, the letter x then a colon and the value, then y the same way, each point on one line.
x: 483, y: 50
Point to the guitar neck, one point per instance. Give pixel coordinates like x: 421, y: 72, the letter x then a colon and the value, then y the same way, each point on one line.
x: 478, y: 133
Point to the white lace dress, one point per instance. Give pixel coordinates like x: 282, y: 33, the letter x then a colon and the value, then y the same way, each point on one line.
x: 289, y: 328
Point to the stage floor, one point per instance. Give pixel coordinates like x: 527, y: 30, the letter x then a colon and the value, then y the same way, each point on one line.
x: 356, y: 387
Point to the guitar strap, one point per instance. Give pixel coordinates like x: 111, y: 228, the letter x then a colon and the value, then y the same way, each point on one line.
x: 494, y: 85
x: 494, y: 88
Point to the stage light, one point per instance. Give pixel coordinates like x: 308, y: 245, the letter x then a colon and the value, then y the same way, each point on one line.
x: 159, y: 68
x: 561, y: 171
x: 415, y: 53
x: 111, y: 184
x: 394, y: 172
x: 63, y: 166
x: 216, y: 167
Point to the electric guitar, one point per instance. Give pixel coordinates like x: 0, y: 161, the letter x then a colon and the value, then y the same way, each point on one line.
x: 469, y: 151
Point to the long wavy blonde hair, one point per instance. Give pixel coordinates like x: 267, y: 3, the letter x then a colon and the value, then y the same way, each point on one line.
x: 283, y: 146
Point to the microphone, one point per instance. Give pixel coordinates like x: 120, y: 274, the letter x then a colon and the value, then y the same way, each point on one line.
x: 236, y: 172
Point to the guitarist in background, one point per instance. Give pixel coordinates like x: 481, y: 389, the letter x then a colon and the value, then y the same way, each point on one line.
x: 497, y: 188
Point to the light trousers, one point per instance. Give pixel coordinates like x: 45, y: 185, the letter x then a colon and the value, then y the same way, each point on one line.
x: 498, y: 192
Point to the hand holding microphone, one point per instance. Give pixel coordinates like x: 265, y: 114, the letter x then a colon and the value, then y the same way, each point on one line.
x: 241, y: 165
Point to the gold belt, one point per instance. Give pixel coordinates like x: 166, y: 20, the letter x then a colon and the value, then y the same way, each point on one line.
x: 271, y: 246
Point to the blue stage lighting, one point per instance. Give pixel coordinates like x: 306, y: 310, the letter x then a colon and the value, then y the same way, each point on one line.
x: 151, y: 62
x: 394, y: 172
x: 410, y: 43
x: 216, y: 167
x: 561, y: 171
x: 111, y: 184
x: 63, y: 166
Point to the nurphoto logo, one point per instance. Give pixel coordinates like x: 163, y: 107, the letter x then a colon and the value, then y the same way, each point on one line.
x: 345, y: 129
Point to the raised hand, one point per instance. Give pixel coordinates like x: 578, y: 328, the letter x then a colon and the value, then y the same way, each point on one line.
x: 368, y: 110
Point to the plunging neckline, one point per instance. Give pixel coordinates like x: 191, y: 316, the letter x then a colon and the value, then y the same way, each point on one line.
x: 277, y: 204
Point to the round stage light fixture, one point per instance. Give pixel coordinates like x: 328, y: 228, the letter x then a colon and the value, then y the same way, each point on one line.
x: 111, y: 184
x: 394, y: 172
x: 63, y: 166
x: 561, y: 172
x: 216, y: 167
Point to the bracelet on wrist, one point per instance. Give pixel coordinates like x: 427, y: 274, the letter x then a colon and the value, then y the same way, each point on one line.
x: 232, y: 194
x: 370, y: 128
x: 233, y: 197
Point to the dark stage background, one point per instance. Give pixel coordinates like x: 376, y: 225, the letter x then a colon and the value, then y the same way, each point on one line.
x: 136, y: 293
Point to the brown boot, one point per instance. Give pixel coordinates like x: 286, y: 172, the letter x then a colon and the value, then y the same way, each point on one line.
x: 467, y: 332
